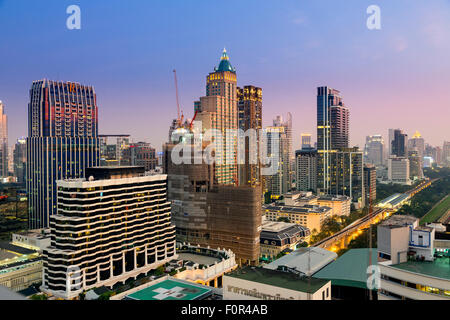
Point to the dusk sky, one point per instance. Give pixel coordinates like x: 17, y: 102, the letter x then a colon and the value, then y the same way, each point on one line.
x: 396, y: 77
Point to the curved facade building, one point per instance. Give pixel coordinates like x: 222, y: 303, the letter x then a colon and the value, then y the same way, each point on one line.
x: 108, y: 228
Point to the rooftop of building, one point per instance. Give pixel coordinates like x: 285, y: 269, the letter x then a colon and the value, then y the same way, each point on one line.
x: 305, y: 209
x: 196, y: 252
x: 439, y: 268
x: 17, y: 264
x: 398, y: 221
x: 305, y: 150
x: 7, y: 294
x: 7, y: 246
x: 280, y: 279
x: 333, y: 198
x: 198, y: 258
x: 305, y: 260
x: 171, y: 289
x: 350, y: 269
x: 114, y: 172
x: 281, y: 230
x: 276, y: 226
x: 36, y: 233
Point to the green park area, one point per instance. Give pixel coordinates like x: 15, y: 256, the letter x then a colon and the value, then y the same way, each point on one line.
x: 439, y: 210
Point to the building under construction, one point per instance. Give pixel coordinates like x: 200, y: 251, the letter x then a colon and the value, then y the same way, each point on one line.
x: 206, y: 213
x: 209, y: 206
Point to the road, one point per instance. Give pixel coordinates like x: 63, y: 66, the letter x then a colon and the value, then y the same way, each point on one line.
x: 340, y: 239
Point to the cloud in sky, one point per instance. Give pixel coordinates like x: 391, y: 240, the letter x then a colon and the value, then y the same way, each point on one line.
x: 399, y: 44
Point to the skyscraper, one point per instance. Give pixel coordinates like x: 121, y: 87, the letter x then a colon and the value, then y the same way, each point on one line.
x: 446, y: 154
x: 289, y: 156
x: 3, y: 142
x: 218, y: 111
x: 250, y: 117
x: 415, y: 164
x: 62, y: 141
x: 280, y: 182
x: 326, y: 98
x: 20, y: 160
x: 332, y: 120
x: 306, y: 169
x: 373, y: 150
x: 370, y: 183
x: 141, y: 154
x: 209, y: 206
x: 399, y: 144
x: 417, y: 142
x: 398, y: 170
x: 339, y: 168
x: 113, y: 149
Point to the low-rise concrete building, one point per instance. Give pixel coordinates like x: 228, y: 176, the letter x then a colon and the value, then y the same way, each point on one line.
x: 252, y: 283
x: 309, y: 216
x: 409, y: 265
x: 19, y: 267
x: 304, y: 261
x: 278, y: 237
x: 205, y: 266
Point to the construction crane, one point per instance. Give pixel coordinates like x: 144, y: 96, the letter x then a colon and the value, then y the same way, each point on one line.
x: 192, y: 121
x: 179, y: 119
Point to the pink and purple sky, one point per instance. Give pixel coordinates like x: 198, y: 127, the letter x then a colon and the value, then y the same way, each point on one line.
x: 396, y: 77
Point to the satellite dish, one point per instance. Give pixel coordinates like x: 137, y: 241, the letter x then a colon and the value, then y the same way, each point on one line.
x: 91, y: 178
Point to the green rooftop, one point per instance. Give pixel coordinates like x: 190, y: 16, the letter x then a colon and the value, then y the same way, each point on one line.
x: 350, y: 269
x: 170, y: 290
x: 280, y: 279
x: 439, y: 268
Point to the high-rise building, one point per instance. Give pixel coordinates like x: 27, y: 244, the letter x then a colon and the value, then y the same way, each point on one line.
x: 391, y: 138
x: 370, y: 183
x: 278, y: 147
x: 373, y: 150
x: 446, y: 153
x: 62, y: 142
x: 306, y: 169
x: 141, y: 154
x: 114, y: 225
x: 20, y: 160
x: 326, y: 98
x: 209, y: 214
x: 218, y: 111
x: 306, y: 140
x: 437, y: 155
x: 415, y: 164
x: 289, y: 159
x: 398, y: 170
x: 399, y: 144
x: 417, y: 142
x: 113, y: 149
x: 3, y: 142
x: 339, y: 168
x: 209, y: 206
x: 347, y: 175
x: 250, y: 118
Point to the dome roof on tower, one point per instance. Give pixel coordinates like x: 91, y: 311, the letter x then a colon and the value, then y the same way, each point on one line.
x: 224, y: 64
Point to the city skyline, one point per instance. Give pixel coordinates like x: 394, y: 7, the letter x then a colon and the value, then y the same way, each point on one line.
x: 133, y: 75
